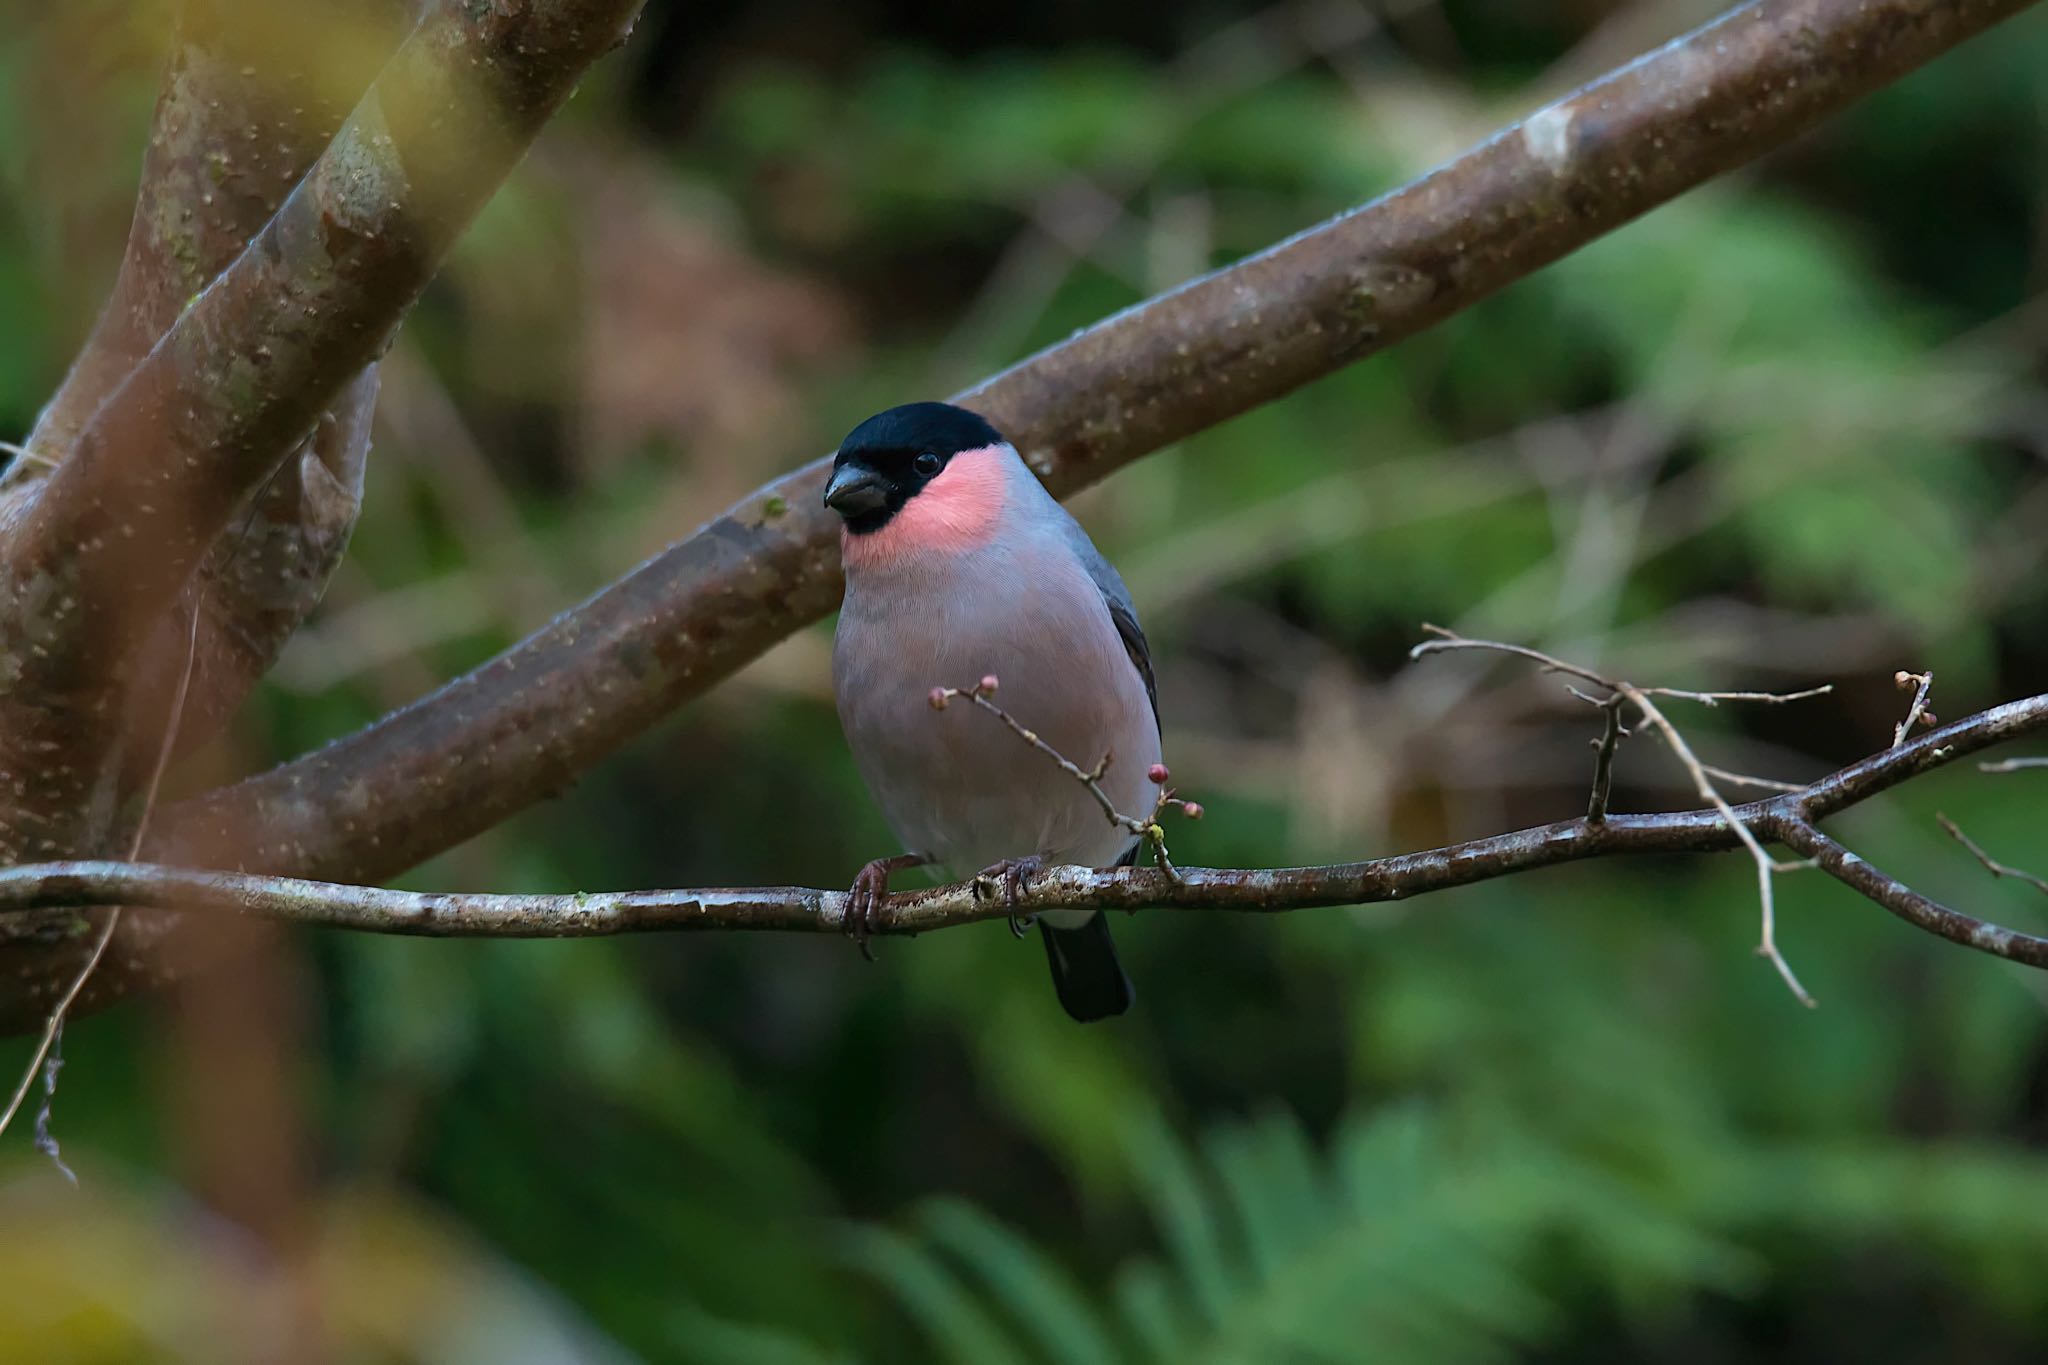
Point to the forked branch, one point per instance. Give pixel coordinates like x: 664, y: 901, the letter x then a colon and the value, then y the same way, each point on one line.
x: 1790, y: 818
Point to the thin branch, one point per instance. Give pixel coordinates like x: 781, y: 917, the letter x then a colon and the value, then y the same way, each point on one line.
x: 1747, y: 780
x: 26, y: 456
x: 1640, y: 697
x: 1767, y: 944
x: 1795, y: 831
x: 982, y: 694
x: 1991, y: 864
x: 497, y: 740
x: 1787, y: 818
x: 1922, y: 683
x: 53, y: 1027
x: 2012, y: 765
x: 1611, y: 734
x: 1447, y: 640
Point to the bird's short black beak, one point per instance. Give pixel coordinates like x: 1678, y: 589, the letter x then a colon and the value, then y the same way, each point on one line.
x: 855, y: 491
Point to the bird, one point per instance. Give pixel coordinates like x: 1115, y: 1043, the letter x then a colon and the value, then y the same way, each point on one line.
x: 961, y: 566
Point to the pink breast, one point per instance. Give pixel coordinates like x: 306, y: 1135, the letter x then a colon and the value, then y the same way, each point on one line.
x: 956, y: 511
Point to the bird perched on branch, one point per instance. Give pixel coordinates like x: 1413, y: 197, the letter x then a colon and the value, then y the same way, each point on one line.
x: 959, y: 565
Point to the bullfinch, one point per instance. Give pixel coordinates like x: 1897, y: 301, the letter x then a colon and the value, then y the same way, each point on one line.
x: 959, y: 565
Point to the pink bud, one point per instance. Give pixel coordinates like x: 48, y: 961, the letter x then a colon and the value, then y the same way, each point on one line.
x: 937, y: 698
x: 1159, y: 775
x: 988, y: 685
x: 1191, y: 809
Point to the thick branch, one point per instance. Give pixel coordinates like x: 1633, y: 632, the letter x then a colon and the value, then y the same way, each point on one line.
x: 247, y: 368
x: 254, y: 90
x: 525, y: 725
x: 1787, y: 817
x: 233, y: 442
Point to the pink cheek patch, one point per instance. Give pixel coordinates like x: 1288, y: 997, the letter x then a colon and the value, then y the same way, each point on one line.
x: 956, y: 511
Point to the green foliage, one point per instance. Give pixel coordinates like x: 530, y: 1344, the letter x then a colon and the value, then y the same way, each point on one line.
x: 1414, y: 1237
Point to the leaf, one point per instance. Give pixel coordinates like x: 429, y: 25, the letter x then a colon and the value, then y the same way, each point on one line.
x: 1040, y: 1295
x: 966, y: 1332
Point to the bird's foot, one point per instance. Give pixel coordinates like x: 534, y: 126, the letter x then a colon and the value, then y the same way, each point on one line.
x: 870, y: 888
x: 1012, y: 878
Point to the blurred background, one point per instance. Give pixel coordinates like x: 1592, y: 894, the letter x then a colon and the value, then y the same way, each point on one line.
x: 1787, y: 431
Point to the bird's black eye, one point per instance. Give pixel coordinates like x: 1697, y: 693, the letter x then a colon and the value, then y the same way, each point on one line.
x: 926, y: 464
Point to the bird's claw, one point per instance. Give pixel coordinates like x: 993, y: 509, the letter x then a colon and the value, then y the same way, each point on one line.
x: 1013, y: 877
x: 870, y: 887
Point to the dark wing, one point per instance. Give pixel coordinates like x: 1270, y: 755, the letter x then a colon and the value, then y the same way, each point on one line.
x: 1117, y: 598
x: 1135, y: 646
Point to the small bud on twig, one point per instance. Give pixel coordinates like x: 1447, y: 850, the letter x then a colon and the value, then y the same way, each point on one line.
x: 938, y: 697
x: 1158, y: 774
x: 987, y: 686
x: 1191, y: 809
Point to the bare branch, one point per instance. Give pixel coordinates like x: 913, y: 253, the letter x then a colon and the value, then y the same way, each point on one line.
x: 1991, y: 864
x: 1787, y: 818
x: 1611, y: 735
x: 1747, y: 780
x: 1639, y: 697
x: 1922, y: 683
x: 1767, y: 944
x: 982, y: 694
x: 1902, y: 900
x: 2012, y: 765
x: 53, y: 1027
x: 1450, y: 640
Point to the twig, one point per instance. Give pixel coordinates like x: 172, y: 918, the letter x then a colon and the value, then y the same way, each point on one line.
x: 1611, y: 735
x: 1640, y: 698
x: 2012, y: 765
x: 982, y: 694
x: 1748, y: 780
x: 1767, y: 944
x: 25, y: 455
x: 1923, y: 683
x: 1450, y: 640
x: 1991, y: 864
x: 1794, y: 829
x: 53, y: 1027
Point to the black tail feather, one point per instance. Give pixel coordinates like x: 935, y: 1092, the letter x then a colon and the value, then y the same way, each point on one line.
x: 1085, y: 972
x: 1090, y: 981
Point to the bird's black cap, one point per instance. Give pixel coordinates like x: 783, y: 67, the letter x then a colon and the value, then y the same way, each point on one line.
x: 913, y: 427
x: 886, y: 460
